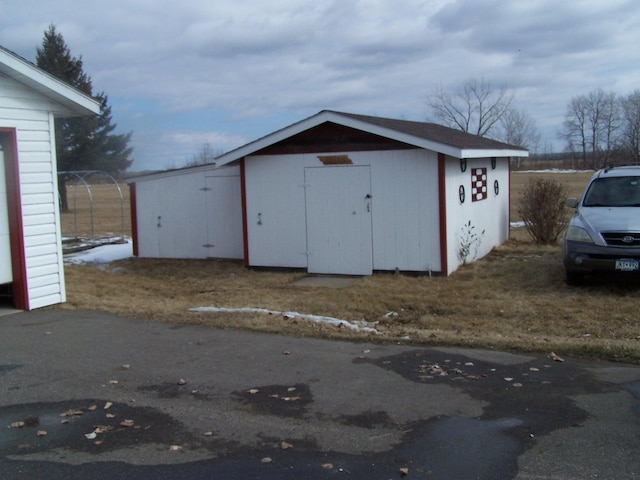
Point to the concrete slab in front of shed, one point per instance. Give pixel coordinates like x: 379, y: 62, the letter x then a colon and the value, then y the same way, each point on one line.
x: 6, y: 310
x: 330, y: 281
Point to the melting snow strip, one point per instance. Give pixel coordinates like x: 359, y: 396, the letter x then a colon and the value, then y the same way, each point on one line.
x: 358, y: 326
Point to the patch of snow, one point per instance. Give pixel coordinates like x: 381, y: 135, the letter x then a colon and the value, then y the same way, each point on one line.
x: 516, y: 224
x: 358, y: 326
x: 101, y: 254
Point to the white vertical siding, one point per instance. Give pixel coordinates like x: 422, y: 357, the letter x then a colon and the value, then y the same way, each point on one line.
x: 489, y: 218
x: 405, y: 210
x: 28, y: 113
x: 173, y: 214
x: 405, y: 217
x: 276, y: 219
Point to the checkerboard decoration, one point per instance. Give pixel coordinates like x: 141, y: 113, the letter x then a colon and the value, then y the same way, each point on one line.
x: 478, y: 184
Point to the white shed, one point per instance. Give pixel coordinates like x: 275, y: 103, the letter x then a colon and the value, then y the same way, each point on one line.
x: 340, y: 193
x: 31, y: 263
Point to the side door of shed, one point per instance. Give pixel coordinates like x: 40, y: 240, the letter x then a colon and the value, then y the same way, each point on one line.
x: 6, y: 274
x: 339, y: 233
x: 224, y: 216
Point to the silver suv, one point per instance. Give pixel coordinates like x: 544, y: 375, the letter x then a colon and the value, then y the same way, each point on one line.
x: 604, y: 233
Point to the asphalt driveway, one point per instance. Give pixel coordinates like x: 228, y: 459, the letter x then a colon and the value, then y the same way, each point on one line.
x: 91, y: 395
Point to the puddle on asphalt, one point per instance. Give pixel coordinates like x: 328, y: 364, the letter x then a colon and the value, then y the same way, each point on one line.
x: 48, y: 426
x: 539, y: 392
x: 439, y: 449
x: 8, y: 367
x: 367, y: 419
x: 279, y: 400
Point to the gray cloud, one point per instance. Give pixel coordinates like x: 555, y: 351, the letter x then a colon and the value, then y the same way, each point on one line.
x: 230, y: 71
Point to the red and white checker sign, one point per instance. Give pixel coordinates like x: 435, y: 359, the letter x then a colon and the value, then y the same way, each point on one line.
x: 478, y: 184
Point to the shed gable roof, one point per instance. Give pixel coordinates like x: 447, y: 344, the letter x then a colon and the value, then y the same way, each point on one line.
x: 425, y: 135
x: 73, y: 102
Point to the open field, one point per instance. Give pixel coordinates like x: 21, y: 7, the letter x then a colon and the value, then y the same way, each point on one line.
x: 515, y: 298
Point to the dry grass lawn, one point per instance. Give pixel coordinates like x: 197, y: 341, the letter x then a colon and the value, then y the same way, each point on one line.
x: 514, y: 299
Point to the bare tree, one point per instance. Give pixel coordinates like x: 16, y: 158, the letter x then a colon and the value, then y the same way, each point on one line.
x: 206, y: 155
x: 591, y: 127
x: 631, y: 130
x: 476, y: 107
x: 574, y: 127
x: 519, y: 129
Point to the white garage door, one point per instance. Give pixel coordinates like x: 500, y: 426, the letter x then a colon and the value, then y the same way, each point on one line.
x: 338, y: 201
x: 6, y: 275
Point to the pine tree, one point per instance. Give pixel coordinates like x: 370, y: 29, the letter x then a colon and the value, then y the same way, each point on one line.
x: 86, y: 143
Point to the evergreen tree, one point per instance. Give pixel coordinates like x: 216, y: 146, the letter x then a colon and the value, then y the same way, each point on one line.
x: 86, y: 143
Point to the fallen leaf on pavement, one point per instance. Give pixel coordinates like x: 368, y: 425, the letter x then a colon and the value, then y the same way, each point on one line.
x: 404, y: 472
x: 266, y: 460
x: 108, y: 405
x: 74, y: 412
x: 127, y: 423
x: 91, y: 435
x: 327, y: 466
x: 555, y: 357
x: 41, y: 433
x: 175, y: 448
x: 17, y: 425
x: 182, y: 381
x: 92, y: 408
x: 285, y: 446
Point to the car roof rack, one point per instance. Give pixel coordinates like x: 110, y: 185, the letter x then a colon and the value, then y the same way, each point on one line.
x: 606, y: 168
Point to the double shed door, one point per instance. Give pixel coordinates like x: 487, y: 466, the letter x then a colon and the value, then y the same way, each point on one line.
x: 339, y: 225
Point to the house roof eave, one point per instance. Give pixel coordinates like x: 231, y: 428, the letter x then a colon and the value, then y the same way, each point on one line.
x: 72, y: 101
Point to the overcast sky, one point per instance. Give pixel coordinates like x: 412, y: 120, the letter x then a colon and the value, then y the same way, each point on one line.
x: 226, y: 72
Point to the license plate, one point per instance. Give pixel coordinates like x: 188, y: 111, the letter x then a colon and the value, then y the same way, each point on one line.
x: 627, y: 265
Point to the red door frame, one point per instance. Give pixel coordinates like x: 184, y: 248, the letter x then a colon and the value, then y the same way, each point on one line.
x: 442, y: 198
x: 16, y: 232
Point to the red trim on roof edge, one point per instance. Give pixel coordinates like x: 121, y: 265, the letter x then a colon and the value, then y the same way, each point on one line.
x: 442, y: 201
x: 16, y: 231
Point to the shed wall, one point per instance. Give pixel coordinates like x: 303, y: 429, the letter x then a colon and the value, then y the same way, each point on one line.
x: 489, y: 218
x: 190, y: 215
x: 404, y: 189
x: 28, y: 113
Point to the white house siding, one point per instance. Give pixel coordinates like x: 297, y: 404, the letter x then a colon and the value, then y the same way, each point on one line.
x: 404, y: 208
x: 179, y: 217
x: 28, y: 113
x: 489, y: 217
